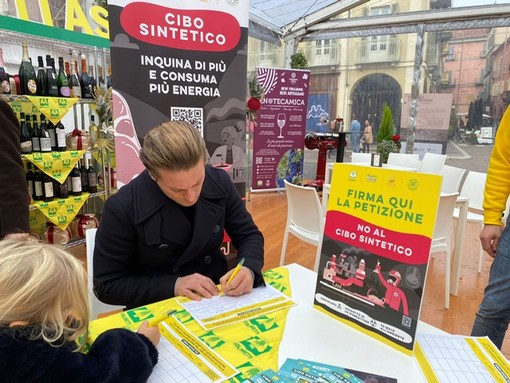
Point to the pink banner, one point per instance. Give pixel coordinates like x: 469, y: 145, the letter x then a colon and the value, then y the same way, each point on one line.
x: 279, y: 133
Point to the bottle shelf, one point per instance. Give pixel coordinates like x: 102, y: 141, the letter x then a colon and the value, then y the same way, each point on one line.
x: 23, y: 98
x: 62, y: 201
x: 73, y: 243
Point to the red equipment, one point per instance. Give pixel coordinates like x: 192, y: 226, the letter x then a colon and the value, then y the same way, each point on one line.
x: 323, y: 142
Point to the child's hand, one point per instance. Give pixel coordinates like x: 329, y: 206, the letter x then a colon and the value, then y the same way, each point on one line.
x: 150, y: 332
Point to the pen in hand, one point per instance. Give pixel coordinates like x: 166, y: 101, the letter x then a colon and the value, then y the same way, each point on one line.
x: 155, y: 321
x: 236, y: 270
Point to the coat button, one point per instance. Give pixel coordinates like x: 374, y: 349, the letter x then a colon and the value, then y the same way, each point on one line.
x: 217, y: 229
x: 207, y: 259
x: 163, y: 246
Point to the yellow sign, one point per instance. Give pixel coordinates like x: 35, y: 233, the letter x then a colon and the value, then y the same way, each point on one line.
x: 57, y: 165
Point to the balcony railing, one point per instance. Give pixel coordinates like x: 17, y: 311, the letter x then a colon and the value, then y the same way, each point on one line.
x: 322, y: 55
x: 370, y: 52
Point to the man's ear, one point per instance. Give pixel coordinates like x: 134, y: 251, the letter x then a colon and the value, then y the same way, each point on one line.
x: 153, y: 178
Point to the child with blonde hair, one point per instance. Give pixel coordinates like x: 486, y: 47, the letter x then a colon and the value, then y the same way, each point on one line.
x: 44, y: 309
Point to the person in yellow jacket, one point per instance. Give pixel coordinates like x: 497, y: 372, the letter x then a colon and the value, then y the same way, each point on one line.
x: 493, y: 314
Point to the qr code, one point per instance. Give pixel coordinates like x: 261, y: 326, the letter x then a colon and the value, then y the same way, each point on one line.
x: 258, y: 160
x: 192, y: 115
x: 406, y: 321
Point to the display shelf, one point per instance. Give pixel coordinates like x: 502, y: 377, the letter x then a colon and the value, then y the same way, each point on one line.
x: 91, y: 195
x: 73, y: 243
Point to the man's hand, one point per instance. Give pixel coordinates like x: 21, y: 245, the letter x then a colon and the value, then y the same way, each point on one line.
x: 195, y: 286
x: 241, y: 284
x: 489, y: 237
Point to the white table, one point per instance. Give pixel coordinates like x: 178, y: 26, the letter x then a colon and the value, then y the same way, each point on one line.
x: 312, y: 335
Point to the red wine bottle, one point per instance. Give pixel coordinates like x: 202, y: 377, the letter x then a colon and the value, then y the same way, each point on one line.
x: 92, y: 177
x: 75, y: 181
x: 27, y: 77
x: 44, y: 138
x: 25, y: 135
x: 61, y: 137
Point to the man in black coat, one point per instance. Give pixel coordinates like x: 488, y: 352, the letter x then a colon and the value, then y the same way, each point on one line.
x: 14, y: 198
x: 160, y: 235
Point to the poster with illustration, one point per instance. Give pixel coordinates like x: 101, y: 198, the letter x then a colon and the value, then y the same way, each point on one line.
x: 377, y: 237
x: 279, y: 132
x: 180, y: 60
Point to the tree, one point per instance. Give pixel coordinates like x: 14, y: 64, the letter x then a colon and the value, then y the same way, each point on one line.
x: 387, y: 126
x: 298, y: 61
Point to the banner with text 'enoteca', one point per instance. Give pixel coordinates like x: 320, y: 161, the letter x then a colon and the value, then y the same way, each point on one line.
x: 377, y: 237
x: 180, y: 60
x: 279, y: 132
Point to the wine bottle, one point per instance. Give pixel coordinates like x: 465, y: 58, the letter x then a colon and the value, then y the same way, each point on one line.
x: 48, y: 191
x: 52, y: 131
x: 74, y: 82
x: 84, y: 175
x: 75, y: 181
x: 100, y: 79
x: 42, y: 81
x: 25, y: 135
x: 64, y: 189
x: 5, y: 85
x: 27, y: 77
x: 34, y: 128
x: 93, y: 129
x: 30, y: 179
x: 38, y: 186
x: 86, y: 91
x: 61, y: 137
x: 109, y: 76
x: 44, y: 139
x: 92, y: 177
x: 92, y: 80
x: 62, y: 83
x: 51, y: 77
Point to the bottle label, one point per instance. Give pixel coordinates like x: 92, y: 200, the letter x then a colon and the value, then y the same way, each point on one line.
x: 38, y: 189
x: 75, y: 91
x: 65, y: 91
x: 53, y: 138
x: 26, y: 147
x: 6, y: 87
x: 45, y: 144
x: 32, y: 86
x: 92, y: 179
x: 76, y: 184
x: 36, y: 144
x: 48, y: 190
x: 61, y: 138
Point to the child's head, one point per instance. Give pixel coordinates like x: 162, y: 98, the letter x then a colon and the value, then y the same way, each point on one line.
x: 42, y: 285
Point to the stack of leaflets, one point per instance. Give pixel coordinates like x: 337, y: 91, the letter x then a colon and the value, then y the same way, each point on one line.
x: 305, y: 371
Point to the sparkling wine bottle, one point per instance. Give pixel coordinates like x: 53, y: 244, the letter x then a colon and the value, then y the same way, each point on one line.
x: 5, y: 85
x: 86, y: 90
x: 62, y: 83
x: 42, y: 81
x: 74, y: 82
x: 27, y: 77
x: 51, y: 77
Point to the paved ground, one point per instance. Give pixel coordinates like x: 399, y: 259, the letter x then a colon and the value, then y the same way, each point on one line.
x: 467, y: 156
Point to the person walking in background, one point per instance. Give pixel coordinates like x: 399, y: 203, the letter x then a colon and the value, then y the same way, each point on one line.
x: 367, y: 138
x: 493, y: 314
x: 14, y: 198
x: 355, y: 134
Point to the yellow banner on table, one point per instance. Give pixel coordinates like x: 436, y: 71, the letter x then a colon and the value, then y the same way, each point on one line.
x: 62, y: 211
x: 54, y: 108
x: 250, y: 346
x: 57, y: 165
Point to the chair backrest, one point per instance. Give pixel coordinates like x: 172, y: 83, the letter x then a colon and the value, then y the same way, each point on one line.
x: 444, y: 216
x: 432, y: 163
x: 400, y: 159
x: 361, y: 157
x: 452, y: 178
x: 304, y: 208
x: 473, y: 188
x: 96, y: 306
x: 412, y: 163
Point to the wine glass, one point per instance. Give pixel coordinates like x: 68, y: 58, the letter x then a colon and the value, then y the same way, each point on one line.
x: 281, y: 123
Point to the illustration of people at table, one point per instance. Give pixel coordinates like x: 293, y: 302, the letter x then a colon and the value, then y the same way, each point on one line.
x: 394, y: 297
x: 230, y: 157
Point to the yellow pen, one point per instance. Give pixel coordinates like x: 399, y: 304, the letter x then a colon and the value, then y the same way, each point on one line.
x: 155, y: 321
x: 236, y: 270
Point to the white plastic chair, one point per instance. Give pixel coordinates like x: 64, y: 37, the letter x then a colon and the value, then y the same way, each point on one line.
x: 472, y: 189
x: 361, y: 158
x: 305, y: 218
x: 452, y: 178
x: 96, y: 306
x: 441, y: 240
x: 432, y: 163
x: 400, y: 159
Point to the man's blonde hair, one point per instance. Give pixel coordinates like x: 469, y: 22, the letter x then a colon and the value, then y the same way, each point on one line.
x: 44, y: 286
x: 173, y: 145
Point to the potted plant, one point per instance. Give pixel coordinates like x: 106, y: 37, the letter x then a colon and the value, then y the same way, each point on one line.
x: 387, y: 140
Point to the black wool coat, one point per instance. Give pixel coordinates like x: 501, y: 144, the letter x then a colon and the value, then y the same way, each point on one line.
x: 145, y: 241
x: 116, y: 356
